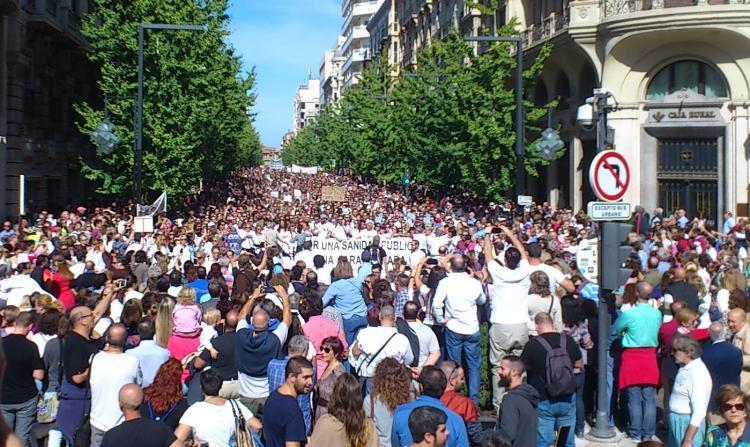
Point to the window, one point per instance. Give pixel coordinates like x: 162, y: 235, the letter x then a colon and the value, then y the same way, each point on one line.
x: 695, y: 76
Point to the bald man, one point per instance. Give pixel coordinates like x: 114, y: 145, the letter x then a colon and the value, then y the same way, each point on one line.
x: 221, y: 358
x: 737, y: 322
x: 135, y: 430
x: 77, y: 350
x: 110, y: 370
x: 256, y: 346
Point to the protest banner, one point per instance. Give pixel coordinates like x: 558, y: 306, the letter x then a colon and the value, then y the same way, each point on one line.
x: 333, y: 194
x: 352, y: 249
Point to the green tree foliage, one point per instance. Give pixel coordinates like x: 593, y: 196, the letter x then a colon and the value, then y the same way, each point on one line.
x: 196, y: 115
x: 450, y: 121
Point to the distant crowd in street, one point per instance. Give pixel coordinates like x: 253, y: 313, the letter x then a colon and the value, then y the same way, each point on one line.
x: 224, y: 327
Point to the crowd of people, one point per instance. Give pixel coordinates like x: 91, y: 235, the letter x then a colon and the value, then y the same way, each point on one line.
x: 224, y: 327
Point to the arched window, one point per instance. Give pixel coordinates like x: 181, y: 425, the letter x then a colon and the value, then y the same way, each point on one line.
x: 691, y: 75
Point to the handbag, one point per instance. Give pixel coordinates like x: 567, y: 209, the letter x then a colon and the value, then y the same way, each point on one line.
x: 46, y: 408
x: 242, y: 436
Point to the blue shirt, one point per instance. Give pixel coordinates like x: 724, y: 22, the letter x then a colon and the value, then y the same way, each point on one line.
x: 150, y: 356
x: 639, y: 327
x: 287, y: 423
x: 590, y: 291
x: 200, y: 286
x: 277, y: 377
x: 347, y: 297
x: 401, y: 436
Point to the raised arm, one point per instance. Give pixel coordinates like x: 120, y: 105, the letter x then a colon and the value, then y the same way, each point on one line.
x: 516, y: 242
x: 248, y: 306
x: 287, y: 311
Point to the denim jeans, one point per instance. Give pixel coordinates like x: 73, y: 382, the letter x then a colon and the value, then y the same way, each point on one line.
x: 20, y: 417
x: 465, y: 350
x: 642, y: 409
x: 552, y: 417
x: 352, y: 326
x: 580, y: 410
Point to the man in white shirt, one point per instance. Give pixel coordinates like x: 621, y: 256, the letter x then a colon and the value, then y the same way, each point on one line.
x: 13, y: 288
x: 509, y: 314
x: 110, y: 370
x: 305, y: 255
x: 377, y: 343
x: 556, y: 277
x: 149, y: 354
x: 416, y: 254
x: 455, y: 305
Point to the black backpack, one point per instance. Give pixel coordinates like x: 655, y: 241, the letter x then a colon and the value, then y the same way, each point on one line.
x: 560, y: 380
x: 403, y: 328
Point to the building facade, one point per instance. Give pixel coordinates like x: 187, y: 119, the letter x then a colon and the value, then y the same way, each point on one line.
x: 355, y: 48
x: 679, y: 72
x: 331, y: 76
x: 384, y: 32
x: 306, y: 104
x: 43, y: 73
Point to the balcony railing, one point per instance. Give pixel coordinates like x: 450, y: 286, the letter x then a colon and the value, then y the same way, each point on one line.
x: 618, y: 7
x: 550, y: 25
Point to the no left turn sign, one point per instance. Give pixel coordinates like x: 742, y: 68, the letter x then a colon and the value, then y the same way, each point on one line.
x: 609, y: 176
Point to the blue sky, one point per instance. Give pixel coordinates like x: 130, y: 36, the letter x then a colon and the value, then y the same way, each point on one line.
x: 283, y: 39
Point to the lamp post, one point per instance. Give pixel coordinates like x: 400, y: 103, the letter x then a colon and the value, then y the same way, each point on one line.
x: 138, y: 149
x: 520, y: 170
x: 104, y: 136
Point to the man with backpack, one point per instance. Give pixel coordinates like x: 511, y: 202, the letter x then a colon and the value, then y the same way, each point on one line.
x: 550, y: 358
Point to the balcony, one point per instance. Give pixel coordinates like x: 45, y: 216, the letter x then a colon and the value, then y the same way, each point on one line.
x: 358, y: 10
x: 357, y: 55
x: 46, y: 13
x: 611, y: 8
x: 356, y: 33
x: 550, y: 26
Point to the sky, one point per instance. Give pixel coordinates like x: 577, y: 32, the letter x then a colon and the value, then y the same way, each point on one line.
x: 283, y: 40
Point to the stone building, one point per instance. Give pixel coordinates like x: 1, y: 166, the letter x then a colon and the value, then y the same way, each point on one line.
x: 43, y: 73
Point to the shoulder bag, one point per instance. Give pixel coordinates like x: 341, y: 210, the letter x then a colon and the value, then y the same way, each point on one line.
x: 242, y: 436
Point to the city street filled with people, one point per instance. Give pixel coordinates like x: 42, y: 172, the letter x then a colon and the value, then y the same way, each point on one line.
x: 262, y: 312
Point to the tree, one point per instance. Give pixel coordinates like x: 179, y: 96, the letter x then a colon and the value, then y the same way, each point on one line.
x: 196, y: 113
x: 450, y: 121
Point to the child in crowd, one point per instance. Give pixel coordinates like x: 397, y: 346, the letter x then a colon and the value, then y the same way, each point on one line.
x: 186, y: 314
x: 208, y: 328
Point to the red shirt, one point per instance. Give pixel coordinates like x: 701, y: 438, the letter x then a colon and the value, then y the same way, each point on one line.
x: 666, y: 331
x: 462, y: 405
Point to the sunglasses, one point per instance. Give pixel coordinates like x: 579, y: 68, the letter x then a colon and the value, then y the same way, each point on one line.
x: 729, y: 407
x: 327, y: 349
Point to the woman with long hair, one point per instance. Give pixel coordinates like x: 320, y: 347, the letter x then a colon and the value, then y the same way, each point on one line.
x: 163, y: 400
x: 62, y: 282
x: 541, y: 300
x: 391, y: 387
x: 345, y: 425
x: 164, y: 323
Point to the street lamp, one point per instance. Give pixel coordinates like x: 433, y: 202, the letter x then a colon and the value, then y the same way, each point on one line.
x: 520, y: 170
x: 104, y: 136
x: 138, y: 149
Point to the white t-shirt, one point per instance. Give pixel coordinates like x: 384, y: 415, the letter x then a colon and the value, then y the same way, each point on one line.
x: 555, y: 276
x: 213, y: 424
x: 109, y: 372
x: 428, y: 342
x: 371, y: 339
x: 509, y: 302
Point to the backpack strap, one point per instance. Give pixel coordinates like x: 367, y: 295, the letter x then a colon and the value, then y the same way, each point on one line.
x: 545, y: 344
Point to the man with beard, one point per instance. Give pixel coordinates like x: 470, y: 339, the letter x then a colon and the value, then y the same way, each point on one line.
x: 517, y: 419
x: 287, y: 426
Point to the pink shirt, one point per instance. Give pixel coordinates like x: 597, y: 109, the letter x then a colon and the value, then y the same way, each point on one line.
x: 181, y: 347
x: 317, y: 329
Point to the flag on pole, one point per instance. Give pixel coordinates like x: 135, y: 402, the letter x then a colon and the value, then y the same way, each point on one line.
x: 159, y: 205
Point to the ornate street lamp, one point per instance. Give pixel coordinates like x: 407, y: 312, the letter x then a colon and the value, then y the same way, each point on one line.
x: 104, y: 136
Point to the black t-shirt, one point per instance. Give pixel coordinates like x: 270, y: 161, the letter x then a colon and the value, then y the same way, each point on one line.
x: 224, y: 363
x: 23, y: 358
x: 287, y: 424
x: 534, y: 356
x: 141, y: 432
x: 171, y: 417
x: 683, y: 291
x: 76, y: 357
